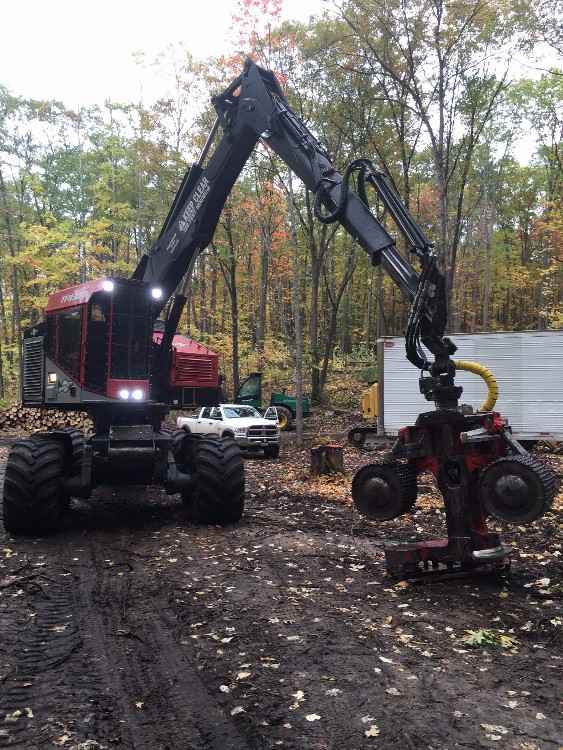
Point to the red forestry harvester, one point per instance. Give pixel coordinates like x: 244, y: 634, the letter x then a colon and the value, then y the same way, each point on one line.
x: 103, y: 348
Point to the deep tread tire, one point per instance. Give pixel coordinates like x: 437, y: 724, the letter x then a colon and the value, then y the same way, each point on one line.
x: 382, y: 492
x: 180, y: 439
x: 74, y: 467
x: 183, y: 448
x: 285, y: 417
x: 219, y: 491
x: 33, y: 488
x: 272, y: 451
x: 517, y: 489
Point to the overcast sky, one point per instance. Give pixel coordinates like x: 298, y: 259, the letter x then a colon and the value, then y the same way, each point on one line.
x: 82, y: 51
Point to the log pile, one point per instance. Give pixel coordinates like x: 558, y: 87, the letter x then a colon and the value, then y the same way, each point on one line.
x: 18, y: 418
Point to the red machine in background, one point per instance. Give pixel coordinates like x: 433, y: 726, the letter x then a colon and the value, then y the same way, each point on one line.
x: 194, y: 373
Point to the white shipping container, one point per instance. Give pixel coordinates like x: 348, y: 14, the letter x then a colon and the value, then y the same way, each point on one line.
x: 528, y: 367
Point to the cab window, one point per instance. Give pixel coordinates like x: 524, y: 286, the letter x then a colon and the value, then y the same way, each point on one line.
x: 69, y: 340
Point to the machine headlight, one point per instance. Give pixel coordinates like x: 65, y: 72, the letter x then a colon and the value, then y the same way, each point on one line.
x: 108, y: 285
x: 156, y: 292
x: 52, y: 377
x: 123, y: 393
x: 138, y: 394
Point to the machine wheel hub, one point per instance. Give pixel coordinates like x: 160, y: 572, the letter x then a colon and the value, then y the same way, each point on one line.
x: 384, y: 491
x: 517, y: 489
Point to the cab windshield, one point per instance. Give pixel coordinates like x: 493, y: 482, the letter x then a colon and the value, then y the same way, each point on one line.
x: 234, y: 412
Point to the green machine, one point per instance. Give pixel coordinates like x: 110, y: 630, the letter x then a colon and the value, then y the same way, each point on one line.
x: 250, y: 392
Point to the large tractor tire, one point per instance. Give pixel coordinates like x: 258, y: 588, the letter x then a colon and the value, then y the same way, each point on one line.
x: 34, y: 500
x: 181, y: 441
x: 285, y: 417
x: 78, y: 441
x: 218, y: 495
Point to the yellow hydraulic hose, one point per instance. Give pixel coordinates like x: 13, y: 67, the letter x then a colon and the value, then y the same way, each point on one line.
x: 492, y: 385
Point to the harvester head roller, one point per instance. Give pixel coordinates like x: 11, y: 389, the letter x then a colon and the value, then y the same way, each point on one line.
x: 384, y: 491
x: 517, y: 489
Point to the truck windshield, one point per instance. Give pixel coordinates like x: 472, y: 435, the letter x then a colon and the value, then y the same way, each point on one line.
x: 233, y: 412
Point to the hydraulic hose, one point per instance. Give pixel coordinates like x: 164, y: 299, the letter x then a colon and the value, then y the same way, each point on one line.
x: 484, y: 372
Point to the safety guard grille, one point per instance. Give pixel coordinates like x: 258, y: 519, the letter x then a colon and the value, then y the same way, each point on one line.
x: 193, y: 370
x: 33, y: 370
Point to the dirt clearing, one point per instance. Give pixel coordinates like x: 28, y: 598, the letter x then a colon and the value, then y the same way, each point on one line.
x: 133, y: 629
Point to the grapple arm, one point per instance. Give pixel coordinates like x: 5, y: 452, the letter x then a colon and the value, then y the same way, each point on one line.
x: 254, y: 108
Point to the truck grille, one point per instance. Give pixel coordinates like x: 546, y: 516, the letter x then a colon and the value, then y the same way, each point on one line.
x: 265, y: 431
x: 33, y: 366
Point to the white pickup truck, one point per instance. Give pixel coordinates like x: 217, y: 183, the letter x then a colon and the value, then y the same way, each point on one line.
x: 244, y: 423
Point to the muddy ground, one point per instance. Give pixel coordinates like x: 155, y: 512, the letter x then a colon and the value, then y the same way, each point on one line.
x: 133, y: 629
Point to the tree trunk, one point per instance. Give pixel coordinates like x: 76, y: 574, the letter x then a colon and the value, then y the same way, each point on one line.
x: 297, y: 318
x: 327, y: 459
x: 265, y: 250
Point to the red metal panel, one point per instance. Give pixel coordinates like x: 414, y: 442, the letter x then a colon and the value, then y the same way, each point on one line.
x: 193, y: 365
x: 74, y: 295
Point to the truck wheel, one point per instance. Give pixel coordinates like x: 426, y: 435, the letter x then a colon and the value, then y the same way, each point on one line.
x: 33, y: 488
x: 285, y: 417
x: 272, y: 451
x: 219, y: 489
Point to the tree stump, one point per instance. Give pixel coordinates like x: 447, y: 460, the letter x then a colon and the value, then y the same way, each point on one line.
x: 327, y: 459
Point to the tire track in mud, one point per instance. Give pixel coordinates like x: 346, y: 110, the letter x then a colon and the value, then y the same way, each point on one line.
x: 49, y: 674
x: 163, y: 702
x: 48, y: 690
x: 92, y: 654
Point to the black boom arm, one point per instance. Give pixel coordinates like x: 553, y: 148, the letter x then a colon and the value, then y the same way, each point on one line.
x: 254, y: 108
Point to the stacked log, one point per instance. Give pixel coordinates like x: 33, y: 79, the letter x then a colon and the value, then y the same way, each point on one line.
x: 22, y: 419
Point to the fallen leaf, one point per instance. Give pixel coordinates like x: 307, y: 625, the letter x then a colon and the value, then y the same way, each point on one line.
x: 243, y: 675
x: 237, y: 710
x: 373, y: 731
x: 14, y: 716
x: 312, y: 717
x: 139, y: 704
x: 497, y: 728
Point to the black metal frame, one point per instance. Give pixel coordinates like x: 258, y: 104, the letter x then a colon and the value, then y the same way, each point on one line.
x: 254, y: 108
